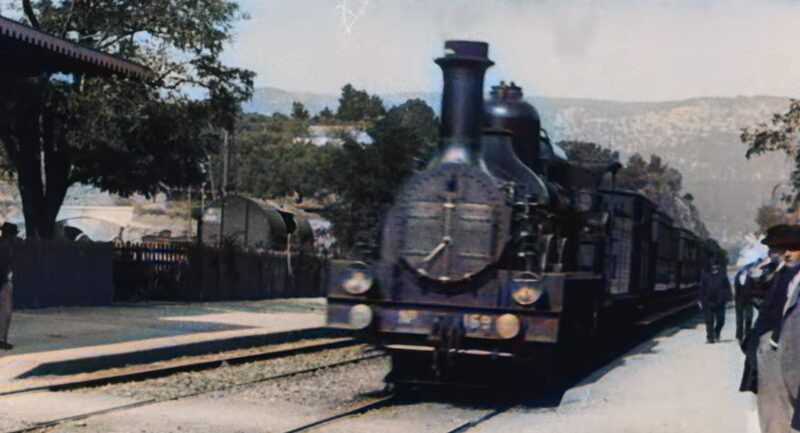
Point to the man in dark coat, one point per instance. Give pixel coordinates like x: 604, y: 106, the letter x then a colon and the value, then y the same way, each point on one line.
x: 763, y: 370
x: 6, y: 287
x: 715, y: 292
x: 789, y: 355
x: 777, y: 274
x: 760, y: 276
x: 787, y: 339
x: 742, y: 301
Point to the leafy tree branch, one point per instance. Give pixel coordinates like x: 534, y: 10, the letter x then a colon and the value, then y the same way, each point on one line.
x: 124, y: 136
x: 779, y: 135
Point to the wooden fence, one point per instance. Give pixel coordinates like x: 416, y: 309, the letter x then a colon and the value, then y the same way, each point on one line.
x: 220, y: 274
x: 201, y: 273
x: 62, y: 273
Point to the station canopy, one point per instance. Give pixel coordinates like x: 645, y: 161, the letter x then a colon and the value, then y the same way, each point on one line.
x: 27, y: 52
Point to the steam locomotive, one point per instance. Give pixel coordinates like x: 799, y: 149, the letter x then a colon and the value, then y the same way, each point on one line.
x: 503, y: 248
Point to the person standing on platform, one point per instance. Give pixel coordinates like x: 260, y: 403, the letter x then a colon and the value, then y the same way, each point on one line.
x: 785, y: 341
x: 789, y: 354
x: 7, y: 239
x: 788, y: 341
x: 762, y: 273
x: 767, y: 274
x: 764, y: 374
x: 743, y: 302
x: 715, y: 293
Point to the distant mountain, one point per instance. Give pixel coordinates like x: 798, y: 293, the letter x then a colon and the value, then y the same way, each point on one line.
x: 698, y: 136
x: 268, y: 100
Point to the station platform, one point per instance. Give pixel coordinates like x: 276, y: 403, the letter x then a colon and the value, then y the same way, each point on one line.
x: 673, y: 382
x: 61, y: 341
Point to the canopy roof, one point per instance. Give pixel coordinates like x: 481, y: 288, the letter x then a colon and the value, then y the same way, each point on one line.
x: 25, y: 51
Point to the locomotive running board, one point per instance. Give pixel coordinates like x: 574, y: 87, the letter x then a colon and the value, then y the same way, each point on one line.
x: 649, y: 320
x: 474, y: 352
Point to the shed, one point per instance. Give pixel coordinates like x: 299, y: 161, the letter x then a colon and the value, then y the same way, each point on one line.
x: 253, y: 224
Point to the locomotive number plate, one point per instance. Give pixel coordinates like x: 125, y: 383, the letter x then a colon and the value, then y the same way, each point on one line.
x: 406, y: 317
x: 477, y: 323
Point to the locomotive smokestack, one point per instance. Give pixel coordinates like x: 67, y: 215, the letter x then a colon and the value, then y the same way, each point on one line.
x: 464, y: 66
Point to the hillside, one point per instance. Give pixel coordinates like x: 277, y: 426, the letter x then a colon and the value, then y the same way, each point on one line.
x: 698, y: 136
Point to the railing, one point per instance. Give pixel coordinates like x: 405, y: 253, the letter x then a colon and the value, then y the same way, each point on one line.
x: 64, y: 273
x: 149, y: 271
x: 191, y: 272
x: 156, y: 253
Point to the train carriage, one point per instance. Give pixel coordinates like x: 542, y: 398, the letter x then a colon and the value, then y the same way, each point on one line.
x: 666, y: 263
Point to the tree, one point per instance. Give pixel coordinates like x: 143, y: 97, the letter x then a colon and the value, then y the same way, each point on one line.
x: 122, y: 136
x: 324, y: 116
x: 299, y: 111
x: 779, y: 135
x: 634, y: 175
x: 277, y: 158
x: 357, y: 105
x: 654, y: 179
x: 366, y: 178
x: 663, y: 185
x: 587, y: 152
x: 769, y: 215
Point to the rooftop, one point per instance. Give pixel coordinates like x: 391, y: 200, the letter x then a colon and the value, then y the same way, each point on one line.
x: 28, y: 52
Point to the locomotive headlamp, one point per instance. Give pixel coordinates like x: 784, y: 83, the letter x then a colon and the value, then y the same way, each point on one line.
x: 356, y: 279
x: 526, y: 289
x: 507, y: 326
x: 360, y: 316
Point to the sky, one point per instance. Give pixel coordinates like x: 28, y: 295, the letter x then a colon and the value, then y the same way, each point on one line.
x: 628, y: 50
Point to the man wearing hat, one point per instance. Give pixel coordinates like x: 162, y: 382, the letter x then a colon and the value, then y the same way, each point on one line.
x: 763, y: 372
x: 788, y: 341
x: 7, y: 238
x: 742, y: 301
x: 715, y: 292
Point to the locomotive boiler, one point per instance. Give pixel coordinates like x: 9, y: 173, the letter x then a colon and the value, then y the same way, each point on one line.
x: 502, y: 248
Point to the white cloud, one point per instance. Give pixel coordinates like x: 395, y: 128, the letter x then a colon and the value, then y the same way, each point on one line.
x: 613, y: 49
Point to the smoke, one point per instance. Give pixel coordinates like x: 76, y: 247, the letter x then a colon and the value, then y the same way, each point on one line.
x: 351, y: 12
x: 753, y: 251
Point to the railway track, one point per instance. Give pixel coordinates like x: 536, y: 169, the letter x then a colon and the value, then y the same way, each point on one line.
x: 374, y: 404
x: 126, y: 377
x: 369, y: 408
x: 143, y: 372
x: 469, y: 425
x: 545, y: 401
x: 384, y: 402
